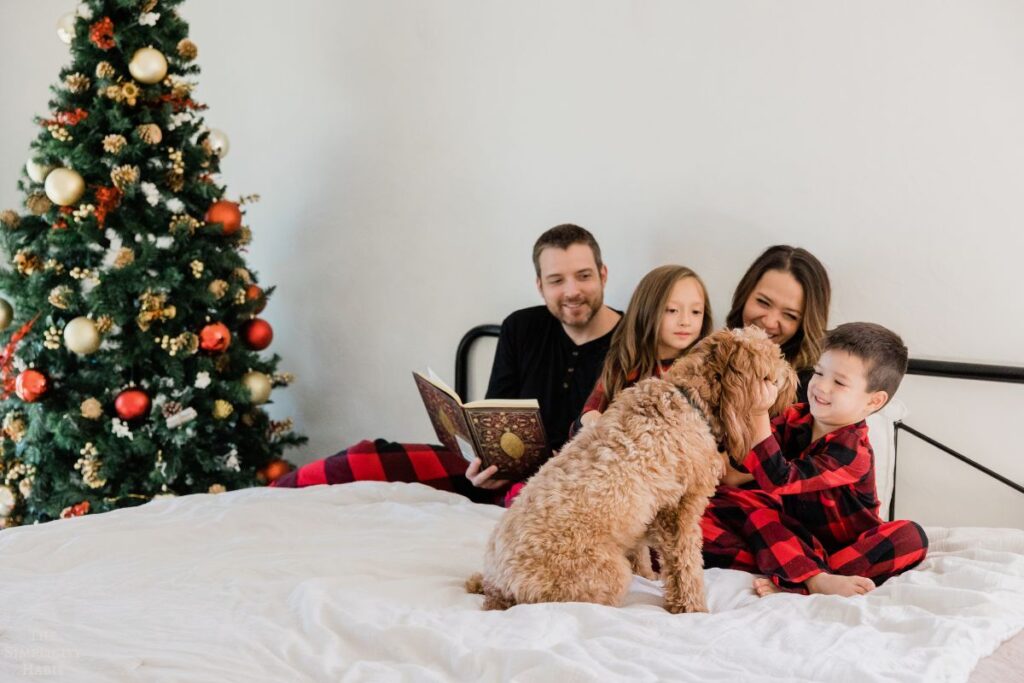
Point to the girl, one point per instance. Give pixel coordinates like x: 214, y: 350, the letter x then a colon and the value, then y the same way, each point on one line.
x: 786, y: 293
x: 668, y: 313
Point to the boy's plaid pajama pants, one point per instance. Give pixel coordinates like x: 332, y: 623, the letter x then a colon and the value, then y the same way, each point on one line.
x: 748, y: 529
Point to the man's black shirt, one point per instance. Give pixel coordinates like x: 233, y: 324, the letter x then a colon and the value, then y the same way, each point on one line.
x: 535, y: 358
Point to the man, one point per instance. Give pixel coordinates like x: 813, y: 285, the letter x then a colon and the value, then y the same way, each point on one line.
x: 554, y: 352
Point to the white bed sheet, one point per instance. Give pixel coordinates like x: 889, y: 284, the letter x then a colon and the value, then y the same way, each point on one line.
x: 364, y: 582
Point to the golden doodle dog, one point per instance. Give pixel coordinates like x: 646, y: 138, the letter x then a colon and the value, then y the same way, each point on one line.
x: 642, y: 474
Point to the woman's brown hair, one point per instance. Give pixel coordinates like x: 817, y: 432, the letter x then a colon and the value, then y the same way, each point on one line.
x: 803, y: 349
x: 634, y: 344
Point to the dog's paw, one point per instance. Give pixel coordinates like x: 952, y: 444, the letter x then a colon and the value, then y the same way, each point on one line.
x: 682, y: 608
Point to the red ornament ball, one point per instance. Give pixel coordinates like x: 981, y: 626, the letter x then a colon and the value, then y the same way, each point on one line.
x: 254, y: 293
x: 215, y: 337
x: 131, y: 404
x: 257, y: 334
x: 31, y: 385
x: 227, y: 214
x: 274, y: 470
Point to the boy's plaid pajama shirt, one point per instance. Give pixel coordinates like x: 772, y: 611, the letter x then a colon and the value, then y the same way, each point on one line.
x: 814, y: 509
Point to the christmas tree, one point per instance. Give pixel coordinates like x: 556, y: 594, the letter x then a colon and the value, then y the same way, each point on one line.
x: 129, y: 362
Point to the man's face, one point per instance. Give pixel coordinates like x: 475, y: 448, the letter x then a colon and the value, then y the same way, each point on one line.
x: 571, y: 283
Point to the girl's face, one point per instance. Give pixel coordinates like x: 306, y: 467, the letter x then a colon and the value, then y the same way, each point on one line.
x: 682, y: 318
x: 776, y: 305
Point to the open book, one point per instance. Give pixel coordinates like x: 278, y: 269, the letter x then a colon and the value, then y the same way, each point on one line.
x: 503, y: 432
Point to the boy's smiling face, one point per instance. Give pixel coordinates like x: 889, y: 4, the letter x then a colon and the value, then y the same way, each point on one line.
x: 838, y: 391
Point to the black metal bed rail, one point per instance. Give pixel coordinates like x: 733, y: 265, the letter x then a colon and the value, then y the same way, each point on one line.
x: 953, y: 370
x: 916, y: 366
x: 462, y: 356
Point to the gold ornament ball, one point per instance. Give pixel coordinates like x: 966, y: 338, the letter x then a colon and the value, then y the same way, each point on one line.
x: 219, y: 143
x: 148, y: 65
x: 66, y: 28
x: 81, y: 336
x: 64, y: 187
x: 37, y: 171
x: 259, y: 386
x: 6, y: 314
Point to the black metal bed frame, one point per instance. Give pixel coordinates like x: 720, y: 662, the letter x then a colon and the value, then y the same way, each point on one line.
x: 927, y: 368
x: 952, y: 370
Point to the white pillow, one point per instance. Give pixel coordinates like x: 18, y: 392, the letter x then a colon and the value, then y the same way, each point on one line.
x: 882, y: 433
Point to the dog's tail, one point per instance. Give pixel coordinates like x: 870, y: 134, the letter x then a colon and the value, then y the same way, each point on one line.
x: 475, y: 584
x: 492, y: 599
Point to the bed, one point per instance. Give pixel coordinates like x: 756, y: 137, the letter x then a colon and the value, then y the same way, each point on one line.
x: 363, y: 582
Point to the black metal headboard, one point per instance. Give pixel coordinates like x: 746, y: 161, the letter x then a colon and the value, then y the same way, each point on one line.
x: 929, y: 368
x: 951, y: 370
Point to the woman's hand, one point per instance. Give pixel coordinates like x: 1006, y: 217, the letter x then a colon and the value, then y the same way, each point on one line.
x: 483, y: 479
x: 590, y: 417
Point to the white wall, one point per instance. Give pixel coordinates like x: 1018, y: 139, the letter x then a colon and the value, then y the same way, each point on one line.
x: 409, y: 152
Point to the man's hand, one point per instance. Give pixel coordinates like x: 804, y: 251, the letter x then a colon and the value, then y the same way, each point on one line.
x: 483, y: 479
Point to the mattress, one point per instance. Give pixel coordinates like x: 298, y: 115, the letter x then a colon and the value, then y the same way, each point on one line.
x: 364, y: 582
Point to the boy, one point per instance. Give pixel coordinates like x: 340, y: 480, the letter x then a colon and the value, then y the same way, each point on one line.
x: 811, y: 525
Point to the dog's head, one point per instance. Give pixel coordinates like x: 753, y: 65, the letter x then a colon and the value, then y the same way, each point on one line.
x: 725, y: 370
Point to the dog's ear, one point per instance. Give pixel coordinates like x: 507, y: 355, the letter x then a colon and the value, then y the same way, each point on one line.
x: 733, y: 361
x: 787, y: 380
x: 690, y: 367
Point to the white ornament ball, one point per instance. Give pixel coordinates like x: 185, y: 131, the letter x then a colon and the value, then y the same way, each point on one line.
x: 64, y: 187
x: 66, y: 28
x: 148, y: 65
x: 37, y: 171
x: 6, y: 314
x: 219, y: 143
x: 81, y: 336
x: 259, y: 386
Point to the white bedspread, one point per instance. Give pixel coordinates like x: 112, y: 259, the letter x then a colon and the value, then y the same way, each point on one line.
x: 364, y: 582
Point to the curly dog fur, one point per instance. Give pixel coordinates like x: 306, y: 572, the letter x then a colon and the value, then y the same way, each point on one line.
x: 641, y: 475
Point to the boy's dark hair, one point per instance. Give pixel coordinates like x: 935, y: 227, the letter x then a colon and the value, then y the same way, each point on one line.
x: 562, y: 237
x: 881, y: 349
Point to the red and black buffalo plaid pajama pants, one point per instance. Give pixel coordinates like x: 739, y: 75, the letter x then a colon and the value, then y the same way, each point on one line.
x: 748, y: 529
x: 382, y: 460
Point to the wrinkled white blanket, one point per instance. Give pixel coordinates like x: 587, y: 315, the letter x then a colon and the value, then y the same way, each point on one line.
x: 364, y: 582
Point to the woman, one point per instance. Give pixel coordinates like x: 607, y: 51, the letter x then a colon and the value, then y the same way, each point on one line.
x: 786, y: 292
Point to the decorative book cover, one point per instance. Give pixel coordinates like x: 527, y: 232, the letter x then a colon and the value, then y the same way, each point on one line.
x: 447, y: 417
x: 503, y: 432
x: 511, y: 438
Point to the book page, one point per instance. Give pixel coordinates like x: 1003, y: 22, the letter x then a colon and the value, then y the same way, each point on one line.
x: 432, y: 377
x: 465, y: 449
x: 504, y: 403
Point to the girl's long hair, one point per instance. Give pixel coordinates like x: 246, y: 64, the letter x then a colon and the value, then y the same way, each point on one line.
x: 634, y: 344
x: 803, y: 349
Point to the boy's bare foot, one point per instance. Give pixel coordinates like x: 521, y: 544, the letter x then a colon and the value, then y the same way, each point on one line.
x: 835, y: 584
x: 765, y: 587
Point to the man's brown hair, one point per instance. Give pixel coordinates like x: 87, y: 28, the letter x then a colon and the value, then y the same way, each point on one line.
x: 562, y: 237
x: 881, y: 349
